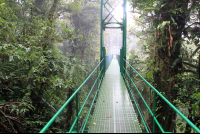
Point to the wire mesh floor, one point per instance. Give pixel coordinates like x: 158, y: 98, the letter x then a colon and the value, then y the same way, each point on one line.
x: 114, y: 112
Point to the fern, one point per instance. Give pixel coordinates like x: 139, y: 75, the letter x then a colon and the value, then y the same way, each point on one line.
x: 191, y: 65
x: 179, y: 60
x: 190, y: 59
x: 76, y: 6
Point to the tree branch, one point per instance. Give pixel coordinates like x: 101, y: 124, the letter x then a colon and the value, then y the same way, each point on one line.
x: 195, y: 23
x: 194, y: 52
x: 6, y: 117
x: 6, y: 87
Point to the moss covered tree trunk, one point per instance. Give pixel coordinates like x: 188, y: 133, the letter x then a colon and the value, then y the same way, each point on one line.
x: 167, y: 50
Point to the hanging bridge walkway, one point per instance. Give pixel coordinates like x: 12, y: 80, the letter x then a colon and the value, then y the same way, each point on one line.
x: 114, y: 112
x: 113, y: 103
x: 110, y: 102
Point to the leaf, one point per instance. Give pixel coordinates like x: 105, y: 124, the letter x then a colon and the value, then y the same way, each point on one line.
x: 151, y: 8
x: 2, y: 4
x: 149, y: 75
x: 164, y: 118
x: 82, y: 37
x: 198, y: 95
x: 176, y: 61
x: 179, y: 124
x: 172, y: 19
x: 162, y: 25
x: 194, y: 107
x: 150, y: 63
x: 181, y: 129
x: 28, y: 94
x: 21, y: 111
x: 3, y: 21
x: 170, y: 79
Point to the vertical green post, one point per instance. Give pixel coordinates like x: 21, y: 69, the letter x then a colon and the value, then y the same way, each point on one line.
x: 102, y: 50
x: 104, y: 60
x: 130, y: 77
x: 77, y: 127
x: 123, y: 71
x: 124, y: 35
x: 97, y: 80
x: 154, y: 111
x: 121, y: 56
x: 121, y: 60
x: 102, y: 24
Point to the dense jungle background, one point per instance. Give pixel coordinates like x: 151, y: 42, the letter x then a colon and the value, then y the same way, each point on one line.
x: 49, y: 47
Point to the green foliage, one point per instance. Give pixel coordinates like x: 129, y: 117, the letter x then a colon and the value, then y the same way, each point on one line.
x: 188, y: 96
x: 2, y: 4
x: 164, y: 28
x: 76, y: 6
x: 149, y: 75
x: 35, y: 78
x: 162, y: 25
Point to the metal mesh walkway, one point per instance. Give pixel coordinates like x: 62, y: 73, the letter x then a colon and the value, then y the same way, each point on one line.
x: 114, y: 112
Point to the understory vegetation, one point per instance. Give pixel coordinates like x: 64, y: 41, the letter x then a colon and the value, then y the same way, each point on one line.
x: 46, y: 47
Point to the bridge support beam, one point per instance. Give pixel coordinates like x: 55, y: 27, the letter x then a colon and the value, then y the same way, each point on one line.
x: 121, y: 24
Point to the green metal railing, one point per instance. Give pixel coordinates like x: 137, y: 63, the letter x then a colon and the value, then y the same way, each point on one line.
x: 100, y: 76
x: 124, y: 72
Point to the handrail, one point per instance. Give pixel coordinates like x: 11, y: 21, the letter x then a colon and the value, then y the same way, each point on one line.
x: 67, y: 102
x: 137, y: 108
x: 91, y: 106
x: 169, y: 103
x: 146, y: 104
x: 85, y: 102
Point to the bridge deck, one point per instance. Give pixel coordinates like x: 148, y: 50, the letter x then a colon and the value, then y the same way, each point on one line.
x: 114, y: 112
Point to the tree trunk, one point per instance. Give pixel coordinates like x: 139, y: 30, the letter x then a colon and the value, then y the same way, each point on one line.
x: 164, y: 57
x: 70, y: 111
x: 82, y: 53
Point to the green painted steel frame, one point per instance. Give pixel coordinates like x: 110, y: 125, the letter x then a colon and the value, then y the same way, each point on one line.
x: 156, y: 92
x: 110, y: 12
x: 123, y: 49
x: 78, y: 112
x: 121, y: 25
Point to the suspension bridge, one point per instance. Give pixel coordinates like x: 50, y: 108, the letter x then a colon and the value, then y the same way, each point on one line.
x: 114, y: 101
